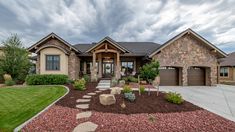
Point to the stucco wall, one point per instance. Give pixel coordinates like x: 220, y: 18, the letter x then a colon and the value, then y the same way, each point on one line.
x: 63, y: 61
x: 185, y: 52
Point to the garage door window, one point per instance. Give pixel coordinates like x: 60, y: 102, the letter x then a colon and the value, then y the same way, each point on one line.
x: 224, y: 72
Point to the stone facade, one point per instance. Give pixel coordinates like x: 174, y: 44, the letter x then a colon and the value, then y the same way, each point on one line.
x: 186, y: 52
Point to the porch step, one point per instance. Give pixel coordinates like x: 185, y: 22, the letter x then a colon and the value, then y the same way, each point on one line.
x: 105, y: 84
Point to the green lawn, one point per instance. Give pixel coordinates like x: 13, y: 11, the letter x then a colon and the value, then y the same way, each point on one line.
x: 19, y: 104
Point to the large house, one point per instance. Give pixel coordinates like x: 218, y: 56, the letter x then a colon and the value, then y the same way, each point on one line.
x: 227, y: 69
x: 186, y: 59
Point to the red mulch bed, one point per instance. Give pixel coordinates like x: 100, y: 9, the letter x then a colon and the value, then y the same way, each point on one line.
x: 167, y: 117
x: 143, y: 104
x: 55, y: 119
x: 70, y: 99
x: 192, y: 121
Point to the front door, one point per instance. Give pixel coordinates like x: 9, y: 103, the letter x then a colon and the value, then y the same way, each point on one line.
x: 107, y: 69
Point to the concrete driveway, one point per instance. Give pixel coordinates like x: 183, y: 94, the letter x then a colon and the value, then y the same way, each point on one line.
x: 219, y: 99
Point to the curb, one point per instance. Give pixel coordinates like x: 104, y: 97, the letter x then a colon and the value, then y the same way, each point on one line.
x: 18, y: 128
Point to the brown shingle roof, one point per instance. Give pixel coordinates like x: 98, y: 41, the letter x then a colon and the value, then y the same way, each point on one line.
x: 228, y: 61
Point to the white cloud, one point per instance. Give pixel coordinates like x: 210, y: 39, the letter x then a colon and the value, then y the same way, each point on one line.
x: 132, y: 20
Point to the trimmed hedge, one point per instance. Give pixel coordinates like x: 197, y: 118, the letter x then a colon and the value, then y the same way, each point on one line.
x: 46, y: 79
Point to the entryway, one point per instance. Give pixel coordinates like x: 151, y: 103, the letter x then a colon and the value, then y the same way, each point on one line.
x: 108, y: 68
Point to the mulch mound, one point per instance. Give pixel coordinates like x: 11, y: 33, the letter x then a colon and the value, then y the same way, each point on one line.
x: 70, y: 99
x: 143, y: 104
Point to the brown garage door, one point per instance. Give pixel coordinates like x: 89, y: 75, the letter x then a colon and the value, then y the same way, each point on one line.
x: 169, y: 76
x: 196, y: 76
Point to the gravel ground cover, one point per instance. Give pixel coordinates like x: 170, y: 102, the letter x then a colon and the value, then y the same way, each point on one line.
x: 140, y: 116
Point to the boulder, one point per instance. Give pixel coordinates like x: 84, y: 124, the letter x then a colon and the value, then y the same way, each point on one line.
x: 107, y: 99
x: 115, y: 90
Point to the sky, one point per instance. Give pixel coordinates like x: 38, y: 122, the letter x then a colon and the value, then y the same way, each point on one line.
x: 87, y: 21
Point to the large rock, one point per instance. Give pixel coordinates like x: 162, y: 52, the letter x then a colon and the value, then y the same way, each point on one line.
x: 122, y: 83
x: 107, y: 99
x: 115, y: 90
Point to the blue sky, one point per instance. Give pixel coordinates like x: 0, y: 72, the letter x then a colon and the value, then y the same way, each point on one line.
x: 80, y: 21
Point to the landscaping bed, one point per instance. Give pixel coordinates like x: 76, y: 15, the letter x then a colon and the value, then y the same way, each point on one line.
x: 143, y: 104
x: 70, y: 99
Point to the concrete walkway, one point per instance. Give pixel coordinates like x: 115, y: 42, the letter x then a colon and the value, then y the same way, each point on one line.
x: 219, y: 99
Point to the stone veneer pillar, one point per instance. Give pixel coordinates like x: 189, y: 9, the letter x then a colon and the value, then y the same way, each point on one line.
x: 185, y: 76
x: 74, y: 64
x: 100, y: 65
x: 117, y: 73
x: 94, y: 71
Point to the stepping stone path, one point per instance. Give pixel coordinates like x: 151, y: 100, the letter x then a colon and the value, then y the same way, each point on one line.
x: 86, y: 97
x: 83, y: 100
x: 86, y: 114
x: 86, y: 127
x: 83, y: 106
x: 91, y: 93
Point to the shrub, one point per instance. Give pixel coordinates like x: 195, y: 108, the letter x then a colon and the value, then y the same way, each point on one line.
x: 127, y: 89
x: 80, y: 84
x: 69, y: 81
x: 129, y: 96
x: 86, y: 77
x: 46, y: 79
x: 142, y: 89
x: 9, y: 82
x: 174, y: 98
x: 7, y: 77
x: 132, y: 79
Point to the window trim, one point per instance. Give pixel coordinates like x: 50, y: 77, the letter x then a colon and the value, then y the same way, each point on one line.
x: 133, y: 64
x: 47, y: 62
x: 224, y: 72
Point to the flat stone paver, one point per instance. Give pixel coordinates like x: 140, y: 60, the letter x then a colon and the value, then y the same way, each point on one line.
x: 91, y: 93
x: 82, y: 106
x: 83, y: 100
x: 217, y: 99
x: 98, y: 91
x: 86, y: 97
x: 86, y: 127
x: 86, y: 114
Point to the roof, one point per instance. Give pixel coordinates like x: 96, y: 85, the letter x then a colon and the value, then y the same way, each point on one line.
x: 188, y: 31
x: 111, y: 41
x: 135, y: 48
x: 52, y: 35
x: 228, y: 61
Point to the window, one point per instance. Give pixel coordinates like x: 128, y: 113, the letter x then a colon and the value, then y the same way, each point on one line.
x: 128, y: 67
x: 52, y: 62
x: 224, y: 71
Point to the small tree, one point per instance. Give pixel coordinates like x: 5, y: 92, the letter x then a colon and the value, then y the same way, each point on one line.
x: 15, y: 60
x: 149, y: 71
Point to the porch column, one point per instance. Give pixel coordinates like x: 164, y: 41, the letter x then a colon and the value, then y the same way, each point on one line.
x: 118, y: 74
x: 100, y: 65
x: 185, y: 76
x: 84, y: 67
x: 94, y: 71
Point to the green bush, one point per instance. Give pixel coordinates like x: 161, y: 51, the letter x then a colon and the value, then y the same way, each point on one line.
x: 114, y: 82
x: 80, y: 84
x: 174, y: 98
x: 46, y: 79
x: 127, y: 89
x: 142, y: 89
x: 69, y: 81
x: 9, y: 82
x: 129, y: 96
x: 86, y: 77
x: 130, y: 79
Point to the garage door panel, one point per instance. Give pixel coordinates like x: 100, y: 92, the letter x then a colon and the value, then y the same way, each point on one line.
x: 169, y: 77
x: 196, y: 76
